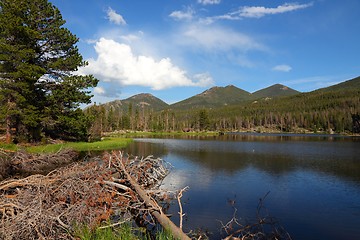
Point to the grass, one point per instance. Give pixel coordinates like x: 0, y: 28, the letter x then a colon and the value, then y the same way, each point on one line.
x: 106, y: 144
x: 123, y: 232
x: 9, y: 147
x: 114, y: 141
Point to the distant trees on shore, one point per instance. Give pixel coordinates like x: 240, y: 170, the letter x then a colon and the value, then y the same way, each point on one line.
x: 332, y: 112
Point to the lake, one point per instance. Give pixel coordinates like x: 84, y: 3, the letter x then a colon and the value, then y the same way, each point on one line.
x: 312, y: 181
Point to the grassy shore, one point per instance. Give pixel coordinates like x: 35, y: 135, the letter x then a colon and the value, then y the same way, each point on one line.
x: 8, y: 147
x: 109, y: 143
x: 106, y: 144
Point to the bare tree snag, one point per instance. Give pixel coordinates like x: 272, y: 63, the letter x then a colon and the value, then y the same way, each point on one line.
x: 181, y: 214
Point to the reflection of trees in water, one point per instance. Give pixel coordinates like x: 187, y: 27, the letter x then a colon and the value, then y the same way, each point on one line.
x: 146, y: 149
x: 271, y: 160
x: 272, y: 164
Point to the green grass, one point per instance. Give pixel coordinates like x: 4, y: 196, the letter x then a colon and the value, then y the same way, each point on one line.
x: 106, y: 144
x: 122, y: 232
x: 10, y: 147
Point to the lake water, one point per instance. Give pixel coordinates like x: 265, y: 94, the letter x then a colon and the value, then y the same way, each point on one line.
x: 313, y: 181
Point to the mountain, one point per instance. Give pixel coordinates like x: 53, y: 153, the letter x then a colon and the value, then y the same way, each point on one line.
x: 276, y: 90
x: 145, y: 100
x: 214, y: 97
x: 347, y: 85
x: 221, y: 96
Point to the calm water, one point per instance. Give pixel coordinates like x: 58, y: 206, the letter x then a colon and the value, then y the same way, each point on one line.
x: 314, y: 182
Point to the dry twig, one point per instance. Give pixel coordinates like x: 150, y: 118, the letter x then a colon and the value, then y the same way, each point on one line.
x: 181, y: 214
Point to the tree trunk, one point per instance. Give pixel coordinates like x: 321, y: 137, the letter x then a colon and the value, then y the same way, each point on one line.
x: 8, y: 129
x: 8, y: 123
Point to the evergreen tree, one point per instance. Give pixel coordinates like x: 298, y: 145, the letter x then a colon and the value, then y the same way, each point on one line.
x: 356, y: 123
x: 40, y: 94
x: 203, y: 120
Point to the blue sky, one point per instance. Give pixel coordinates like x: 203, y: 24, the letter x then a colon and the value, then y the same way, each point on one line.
x: 175, y: 49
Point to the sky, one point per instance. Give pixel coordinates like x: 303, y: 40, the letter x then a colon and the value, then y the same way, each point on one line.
x: 175, y: 49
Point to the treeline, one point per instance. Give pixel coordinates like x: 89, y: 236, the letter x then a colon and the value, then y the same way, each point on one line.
x: 317, y: 111
x: 336, y: 111
x: 134, y: 118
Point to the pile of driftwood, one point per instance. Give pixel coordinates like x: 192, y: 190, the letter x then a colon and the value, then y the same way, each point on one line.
x: 23, y: 163
x: 50, y: 206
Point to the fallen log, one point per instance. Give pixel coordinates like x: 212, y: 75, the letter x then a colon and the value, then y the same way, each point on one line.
x: 155, y: 210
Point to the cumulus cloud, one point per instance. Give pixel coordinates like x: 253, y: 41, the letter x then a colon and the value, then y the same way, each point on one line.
x: 114, y: 17
x: 260, y: 11
x: 183, y: 15
x: 217, y: 38
x: 116, y: 62
x: 282, y: 68
x: 209, y: 2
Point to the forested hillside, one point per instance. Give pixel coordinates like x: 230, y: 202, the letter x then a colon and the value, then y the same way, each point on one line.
x: 334, y: 110
x: 276, y: 90
x: 214, y: 97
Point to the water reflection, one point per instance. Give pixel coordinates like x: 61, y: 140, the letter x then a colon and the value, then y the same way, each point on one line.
x: 273, y: 154
x: 314, y: 181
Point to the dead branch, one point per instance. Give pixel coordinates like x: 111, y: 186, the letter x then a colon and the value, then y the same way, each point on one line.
x: 181, y: 214
x: 156, y: 211
x: 264, y: 227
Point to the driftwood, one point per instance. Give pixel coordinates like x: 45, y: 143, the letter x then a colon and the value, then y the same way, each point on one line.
x: 181, y: 214
x: 48, y: 206
x: 155, y: 208
x: 24, y: 162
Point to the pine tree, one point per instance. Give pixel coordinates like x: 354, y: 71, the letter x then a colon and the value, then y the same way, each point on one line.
x: 203, y: 120
x: 40, y: 94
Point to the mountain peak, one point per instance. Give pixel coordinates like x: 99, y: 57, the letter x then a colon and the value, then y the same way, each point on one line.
x: 142, y: 95
x: 276, y: 90
x: 215, y: 97
x: 142, y: 100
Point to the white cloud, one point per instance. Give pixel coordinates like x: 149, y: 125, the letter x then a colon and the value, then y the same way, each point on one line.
x: 204, y: 79
x: 99, y: 90
x: 114, y: 17
x: 258, y: 12
x: 255, y: 12
x: 282, y: 68
x: 209, y: 2
x: 107, y: 90
x: 117, y: 63
x: 217, y: 38
x: 188, y: 14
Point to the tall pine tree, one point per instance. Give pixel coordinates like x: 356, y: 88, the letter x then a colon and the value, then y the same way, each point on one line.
x: 39, y: 92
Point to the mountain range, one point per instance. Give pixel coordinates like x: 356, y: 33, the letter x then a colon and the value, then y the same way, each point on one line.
x: 220, y: 96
